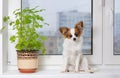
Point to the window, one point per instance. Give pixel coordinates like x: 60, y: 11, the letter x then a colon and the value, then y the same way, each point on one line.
x: 67, y: 15
x: 111, y: 32
x: 105, y: 21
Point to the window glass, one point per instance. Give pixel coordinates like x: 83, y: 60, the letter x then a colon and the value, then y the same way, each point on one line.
x: 64, y: 13
x: 117, y: 28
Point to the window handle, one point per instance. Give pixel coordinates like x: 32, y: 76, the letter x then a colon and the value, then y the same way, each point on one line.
x: 111, y: 17
x: 103, y: 3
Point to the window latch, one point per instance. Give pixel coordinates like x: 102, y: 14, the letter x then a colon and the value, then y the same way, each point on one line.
x: 103, y: 3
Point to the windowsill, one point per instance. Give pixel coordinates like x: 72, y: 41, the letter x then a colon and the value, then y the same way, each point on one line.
x: 101, y: 73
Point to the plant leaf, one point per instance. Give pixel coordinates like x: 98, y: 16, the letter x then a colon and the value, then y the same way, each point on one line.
x: 11, y: 23
x: 46, y: 24
x: 3, y: 27
x: 17, y: 22
x: 6, y: 18
x: 12, y: 38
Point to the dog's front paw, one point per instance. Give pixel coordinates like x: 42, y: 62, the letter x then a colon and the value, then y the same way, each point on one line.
x: 66, y: 70
x: 76, y: 71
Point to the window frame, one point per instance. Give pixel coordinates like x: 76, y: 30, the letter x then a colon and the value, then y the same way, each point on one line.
x: 101, y: 54
x: 108, y: 38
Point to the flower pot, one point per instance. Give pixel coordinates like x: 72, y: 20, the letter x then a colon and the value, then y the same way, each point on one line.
x: 27, y: 61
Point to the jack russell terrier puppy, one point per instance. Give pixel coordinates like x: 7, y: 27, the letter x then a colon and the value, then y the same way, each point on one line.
x: 72, y: 49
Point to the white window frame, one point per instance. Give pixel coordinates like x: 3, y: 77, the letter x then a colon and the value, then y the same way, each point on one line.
x: 56, y: 60
x: 3, y: 38
x: 108, y: 26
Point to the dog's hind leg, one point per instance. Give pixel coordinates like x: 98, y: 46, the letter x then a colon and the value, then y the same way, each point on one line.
x: 84, y: 65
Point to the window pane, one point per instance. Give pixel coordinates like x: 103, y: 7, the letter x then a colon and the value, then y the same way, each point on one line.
x: 117, y: 27
x: 64, y: 13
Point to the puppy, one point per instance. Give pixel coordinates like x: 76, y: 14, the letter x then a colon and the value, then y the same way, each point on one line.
x: 72, y: 49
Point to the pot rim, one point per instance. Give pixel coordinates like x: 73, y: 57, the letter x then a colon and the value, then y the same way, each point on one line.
x: 28, y: 51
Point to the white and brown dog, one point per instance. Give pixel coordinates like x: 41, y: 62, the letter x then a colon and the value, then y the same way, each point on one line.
x: 72, y: 49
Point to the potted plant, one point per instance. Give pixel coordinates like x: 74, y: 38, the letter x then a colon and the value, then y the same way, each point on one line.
x: 28, y: 41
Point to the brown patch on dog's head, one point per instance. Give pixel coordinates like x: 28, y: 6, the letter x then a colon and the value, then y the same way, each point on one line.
x: 65, y: 32
x: 79, y: 28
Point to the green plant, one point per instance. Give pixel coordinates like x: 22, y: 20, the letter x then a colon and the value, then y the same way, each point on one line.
x: 25, y: 23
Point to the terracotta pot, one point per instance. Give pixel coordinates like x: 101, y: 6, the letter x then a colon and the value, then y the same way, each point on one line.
x: 27, y: 61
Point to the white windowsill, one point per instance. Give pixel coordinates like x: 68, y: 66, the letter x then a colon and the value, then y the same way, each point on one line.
x: 100, y: 73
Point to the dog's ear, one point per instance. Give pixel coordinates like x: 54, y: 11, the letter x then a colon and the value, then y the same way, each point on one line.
x: 63, y: 30
x: 79, y: 26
